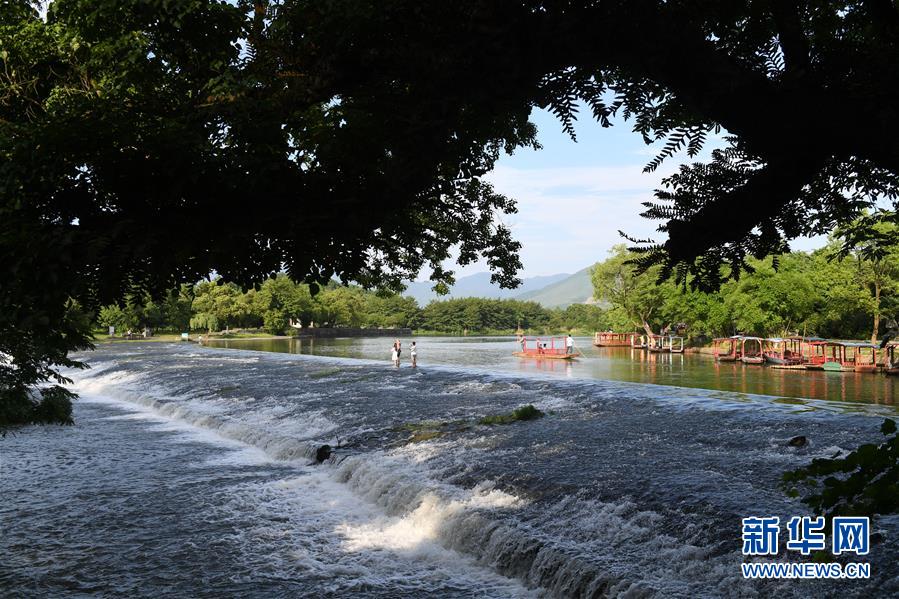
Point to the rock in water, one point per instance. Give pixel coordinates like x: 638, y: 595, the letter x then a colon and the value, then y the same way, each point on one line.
x: 322, y: 453
x: 799, y: 441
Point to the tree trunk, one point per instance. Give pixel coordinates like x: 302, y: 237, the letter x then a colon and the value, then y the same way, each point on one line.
x: 876, y: 312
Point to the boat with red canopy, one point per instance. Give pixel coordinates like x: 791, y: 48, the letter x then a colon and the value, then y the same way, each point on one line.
x: 783, y: 351
x: 825, y: 355
x: 891, y: 359
x: 551, y: 348
x: 751, y: 350
x: 845, y: 356
x: 610, y: 339
x: 727, y: 349
x: 859, y: 356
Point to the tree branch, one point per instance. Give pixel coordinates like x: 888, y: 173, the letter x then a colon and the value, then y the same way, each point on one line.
x: 792, y: 40
x: 734, y: 215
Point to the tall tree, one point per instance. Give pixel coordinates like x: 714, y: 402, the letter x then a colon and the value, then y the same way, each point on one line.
x: 146, y: 143
x: 638, y: 295
x: 873, y: 241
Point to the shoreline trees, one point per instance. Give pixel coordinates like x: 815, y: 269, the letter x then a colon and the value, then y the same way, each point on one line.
x: 812, y: 293
x: 808, y: 293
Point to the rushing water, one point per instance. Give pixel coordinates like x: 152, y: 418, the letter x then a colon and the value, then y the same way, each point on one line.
x: 610, y: 363
x: 188, y: 473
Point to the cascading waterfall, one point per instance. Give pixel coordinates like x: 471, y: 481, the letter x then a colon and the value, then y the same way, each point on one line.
x: 615, y: 492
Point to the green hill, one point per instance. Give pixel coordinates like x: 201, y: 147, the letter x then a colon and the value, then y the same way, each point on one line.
x: 576, y: 289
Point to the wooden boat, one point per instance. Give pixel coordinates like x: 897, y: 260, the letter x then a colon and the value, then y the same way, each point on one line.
x: 656, y: 344
x: 891, y: 360
x: 666, y: 344
x: 727, y: 348
x: 609, y: 339
x: 842, y: 356
x: 552, y: 348
x: 783, y: 352
x: 753, y: 353
x: 824, y: 355
x: 859, y: 357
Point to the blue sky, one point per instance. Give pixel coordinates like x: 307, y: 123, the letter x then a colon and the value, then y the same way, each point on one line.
x: 574, y: 197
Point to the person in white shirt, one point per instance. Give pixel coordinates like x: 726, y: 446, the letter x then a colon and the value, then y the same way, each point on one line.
x: 413, y: 352
x: 569, y: 345
x: 394, y: 357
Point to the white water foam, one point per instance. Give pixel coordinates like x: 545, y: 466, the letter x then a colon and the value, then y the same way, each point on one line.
x: 279, y: 440
x: 315, y: 523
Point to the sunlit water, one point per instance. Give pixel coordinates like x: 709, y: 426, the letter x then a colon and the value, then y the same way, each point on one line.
x: 188, y: 473
x: 611, y: 363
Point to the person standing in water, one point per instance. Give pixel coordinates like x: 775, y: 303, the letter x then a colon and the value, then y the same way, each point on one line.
x: 394, y: 357
x: 413, y: 352
x: 398, y: 346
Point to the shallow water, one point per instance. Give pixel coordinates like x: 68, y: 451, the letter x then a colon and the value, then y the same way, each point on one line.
x: 187, y: 473
x: 609, y: 363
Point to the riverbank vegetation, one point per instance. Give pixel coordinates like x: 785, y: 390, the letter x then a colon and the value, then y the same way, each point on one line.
x: 838, y: 291
x: 278, y: 302
x: 863, y: 482
x: 834, y: 292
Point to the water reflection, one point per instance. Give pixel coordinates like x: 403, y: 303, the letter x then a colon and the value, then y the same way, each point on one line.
x: 614, y: 363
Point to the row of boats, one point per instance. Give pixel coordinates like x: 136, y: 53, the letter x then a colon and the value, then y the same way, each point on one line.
x: 808, y: 353
x: 800, y: 353
x: 557, y: 348
x: 654, y: 343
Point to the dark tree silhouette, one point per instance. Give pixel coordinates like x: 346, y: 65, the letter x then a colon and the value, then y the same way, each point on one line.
x: 805, y: 91
x: 145, y: 143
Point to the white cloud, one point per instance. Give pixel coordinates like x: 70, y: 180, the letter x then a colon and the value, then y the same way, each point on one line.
x: 570, y: 217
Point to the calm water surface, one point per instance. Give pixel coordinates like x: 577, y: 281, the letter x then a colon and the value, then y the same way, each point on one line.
x: 190, y: 473
x: 619, y: 364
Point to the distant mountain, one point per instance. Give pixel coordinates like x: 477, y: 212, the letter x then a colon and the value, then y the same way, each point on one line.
x: 479, y: 285
x: 575, y: 289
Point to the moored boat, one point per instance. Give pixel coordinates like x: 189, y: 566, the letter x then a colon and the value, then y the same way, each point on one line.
x: 639, y: 341
x: 860, y: 357
x: 656, y: 344
x: 727, y: 348
x: 891, y: 359
x: 751, y: 350
x: 610, y: 339
x: 783, y: 351
x: 824, y: 355
x: 842, y: 356
x: 675, y: 344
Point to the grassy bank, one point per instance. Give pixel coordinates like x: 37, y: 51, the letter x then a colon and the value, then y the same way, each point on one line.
x: 502, y: 333
x: 101, y: 337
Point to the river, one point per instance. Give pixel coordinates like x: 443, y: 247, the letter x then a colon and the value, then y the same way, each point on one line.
x: 608, y: 363
x: 189, y: 473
